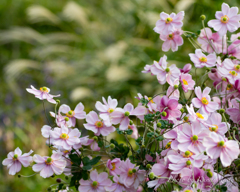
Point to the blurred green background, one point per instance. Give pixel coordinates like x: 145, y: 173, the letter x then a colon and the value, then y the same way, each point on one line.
x: 83, y: 50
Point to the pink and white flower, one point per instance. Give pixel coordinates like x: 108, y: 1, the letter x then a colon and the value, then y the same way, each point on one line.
x: 200, y: 60
x: 164, y: 73
x: 187, y: 82
x: 168, y: 23
x: 198, y: 116
x: 234, y: 112
x: 226, y: 20
x: 47, y: 166
x: 15, y: 160
x: 186, y: 69
x: 172, y: 40
x: 106, y: 109
x: 65, y: 137
x: 96, y: 125
x: 203, y: 100
x: 77, y: 113
x: 114, y: 166
x: 43, y: 93
x: 218, y: 146
x: 96, y: 183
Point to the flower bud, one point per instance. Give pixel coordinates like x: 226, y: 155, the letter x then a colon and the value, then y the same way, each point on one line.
x: 66, y: 177
x: 209, y: 174
x: 19, y: 176
x: 112, y: 146
x: 49, y: 189
x: 235, y: 128
x: 58, y: 101
x: 95, y: 138
x: 148, y: 166
x: 221, y: 111
x: 134, y: 170
x: 185, y: 118
x: 213, y: 70
x: 164, y: 114
x: 175, y: 86
x: 159, y: 124
x: 182, y: 110
x: 151, y: 175
x: 130, y: 122
x: 230, y: 138
x: 203, y: 17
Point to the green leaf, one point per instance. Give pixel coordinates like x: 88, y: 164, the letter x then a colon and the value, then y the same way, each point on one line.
x: 85, y: 160
x: 129, y: 131
x: 160, y: 138
x: 100, y: 143
x: 75, y: 159
x: 95, y: 160
x: 87, y: 167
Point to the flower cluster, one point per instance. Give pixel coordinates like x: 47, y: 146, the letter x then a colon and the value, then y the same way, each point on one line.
x: 186, y: 138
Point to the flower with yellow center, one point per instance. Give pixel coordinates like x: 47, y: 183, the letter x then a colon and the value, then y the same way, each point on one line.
x: 15, y: 157
x: 49, y: 161
x: 203, y: 59
x: 168, y: 145
x: 185, y: 82
x: 204, y: 101
x: 233, y: 73
x: 113, y: 166
x: 237, y: 67
x: 110, y: 110
x: 200, y: 116
x: 150, y: 100
x: 170, y: 36
x: 64, y: 136
x: 214, y: 128
x: 194, y: 138
x: 95, y: 184
x: 188, y: 190
x: 168, y: 20
x: 187, y: 154
x: 229, y: 87
x: 130, y: 172
x: 44, y: 89
x: 224, y: 19
x: 99, y: 124
x: 70, y: 113
x: 221, y: 144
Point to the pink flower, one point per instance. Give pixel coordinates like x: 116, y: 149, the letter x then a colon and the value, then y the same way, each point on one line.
x: 200, y: 60
x: 198, y: 116
x: 134, y: 134
x: 218, y: 126
x: 164, y: 73
x: 191, y: 138
x: 61, y: 120
x: 15, y: 160
x: 47, y: 166
x: 114, y: 166
x: 172, y: 92
x: 96, y: 125
x: 214, y: 38
x: 106, y: 109
x: 218, y: 146
x: 227, y: 20
x: 186, y: 68
x: 77, y: 113
x: 65, y: 137
x: 151, y: 104
x: 96, y: 183
x: 168, y: 23
x: 187, y: 82
x: 234, y: 112
x: 43, y: 93
x: 172, y: 40
x: 230, y: 70
x: 171, y: 107
x: 160, y: 169
x: 203, y: 100
x: 234, y: 49
x: 131, y: 176
x: 147, y: 69
x: 122, y: 115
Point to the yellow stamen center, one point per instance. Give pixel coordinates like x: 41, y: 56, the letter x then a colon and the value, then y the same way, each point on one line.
x: 233, y: 73
x: 99, y: 124
x: 221, y: 144
x: 168, y: 20
x: 49, y: 161
x: 204, y: 101
x: 70, y: 113
x: 113, y: 166
x: 64, y: 136
x: 224, y: 19
x: 130, y: 172
x: 237, y: 67
x: 214, y: 128
x: 170, y: 36
x: 94, y: 184
x: 203, y: 59
x: 229, y: 87
x: 168, y: 145
x: 185, y: 82
x: 199, y: 115
x: 110, y: 110
x: 187, y: 154
x: 150, y: 100
x: 44, y: 89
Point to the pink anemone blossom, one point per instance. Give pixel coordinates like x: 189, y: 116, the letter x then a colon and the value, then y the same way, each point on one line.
x: 186, y: 69
x: 172, y: 40
x: 196, y: 116
x: 164, y: 73
x: 191, y: 138
x: 168, y: 23
x: 200, y: 60
x: 96, y: 125
x: 42, y: 93
x: 227, y: 20
x: 187, y: 82
x: 118, y: 186
x: 106, y: 109
x: 122, y: 115
x: 203, y: 100
x: 234, y: 112
x: 97, y: 182
x: 65, y: 137
x: 77, y: 113
x: 15, y: 160
x: 47, y: 166
x: 218, y: 146
x: 114, y: 166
